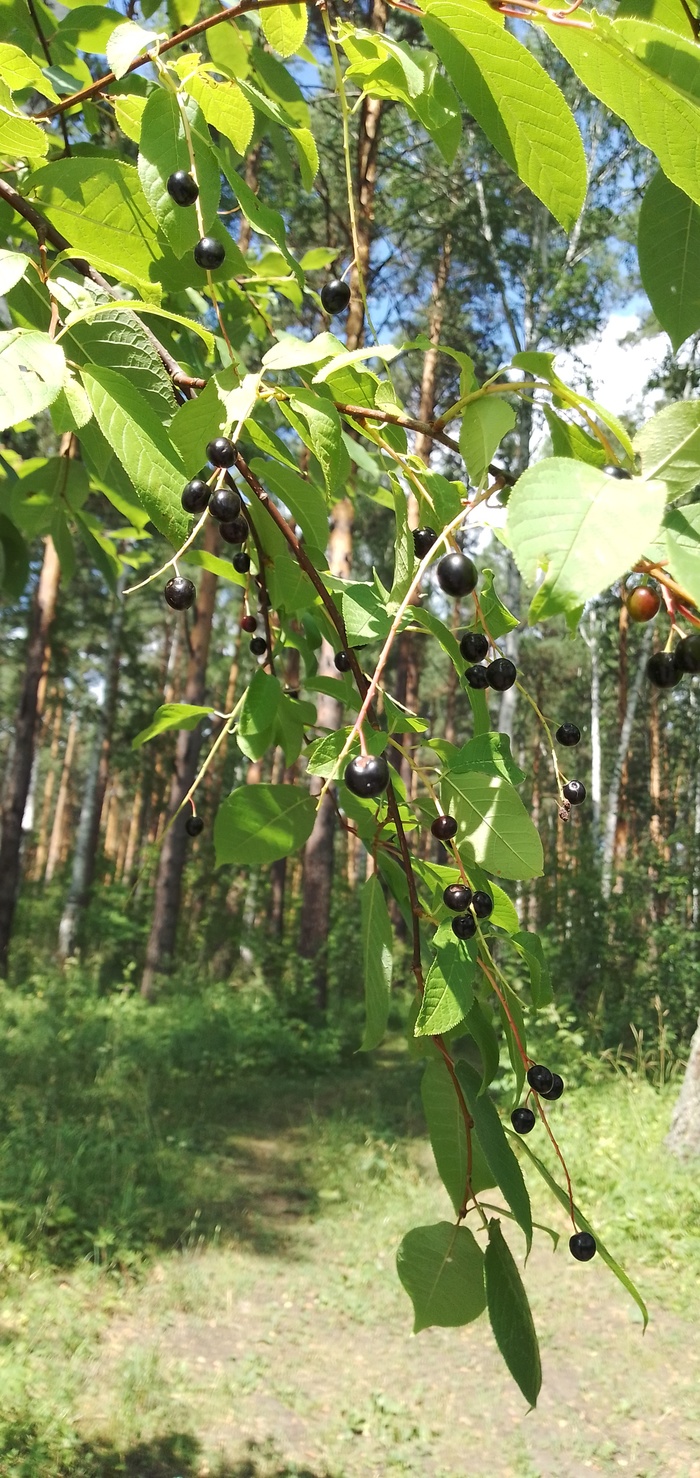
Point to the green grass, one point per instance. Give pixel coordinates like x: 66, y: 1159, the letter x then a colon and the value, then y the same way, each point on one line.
x: 201, y: 1205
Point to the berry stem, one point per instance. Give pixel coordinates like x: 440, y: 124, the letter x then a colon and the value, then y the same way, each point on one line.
x: 497, y: 990
x: 172, y: 562
x: 560, y: 1157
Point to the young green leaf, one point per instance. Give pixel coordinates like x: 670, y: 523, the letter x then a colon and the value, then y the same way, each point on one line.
x: 442, y: 1269
x: 171, y: 716
x: 682, y: 528
x: 303, y: 498
x: 510, y: 1315
x: 225, y: 107
x: 32, y: 369
x: 284, y: 26
x: 126, y: 42
x: 377, y: 959
x: 259, y: 823
x: 255, y: 730
x: 669, y: 447
x: 95, y: 203
x: 484, y: 425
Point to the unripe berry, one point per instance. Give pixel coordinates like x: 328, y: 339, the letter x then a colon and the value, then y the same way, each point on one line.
x: 367, y: 776
x: 249, y: 623
x: 523, y: 1119
x: 643, y: 603
x: 457, y: 897
x: 444, y: 828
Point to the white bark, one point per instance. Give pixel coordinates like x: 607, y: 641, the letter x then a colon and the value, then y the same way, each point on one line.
x: 610, y: 827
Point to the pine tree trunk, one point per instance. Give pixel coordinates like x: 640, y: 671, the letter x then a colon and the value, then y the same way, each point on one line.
x: 610, y: 827
x: 93, y: 790
x: 58, y: 828
x: 171, y: 862
x: 19, y: 771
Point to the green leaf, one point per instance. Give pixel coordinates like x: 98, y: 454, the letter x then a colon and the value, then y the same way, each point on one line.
x: 20, y: 138
x: 377, y: 941
x: 292, y: 353
x: 118, y: 341
x: 490, y: 754
x: 516, y: 103
x: 100, y: 207
x: 448, y: 994
x: 256, y: 724
x: 511, y: 1316
x: 163, y: 149
x: 668, y: 13
x: 442, y: 1269
x: 404, y: 557
x: 32, y: 368
x: 171, y: 716
x: 497, y: 1150
x: 324, y: 436
x: 580, y: 525
x: 570, y: 440
x: 13, y: 265
x: 364, y: 614
x: 284, y: 26
x: 19, y: 71
x: 126, y: 42
x: 303, y: 499
x: 682, y: 527
x: 669, y: 447
x: 14, y: 560
x: 448, y: 1136
x: 668, y: 244
x: 142, y: 445
x: 484, y: 425
x: 530, y: 947
x: 260, y: 823
x: 495, y: 830
x: 289, y: 587
x: 225, y: 107
x: 263, y: 219
x: 440, y: 113
x: 437, y: 628
x: 585, y: 1226
x: 479, y: 1026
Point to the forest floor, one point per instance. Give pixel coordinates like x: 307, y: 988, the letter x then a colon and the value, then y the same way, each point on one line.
x: 277, y: 1344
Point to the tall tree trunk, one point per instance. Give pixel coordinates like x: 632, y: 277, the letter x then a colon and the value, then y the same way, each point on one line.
x: 622, y: 832
x: 318, y: 853
x: 93, y: 790
x: 19, y: 771
x: 683, y: 1138
x: 58, y: 828
x: 610, y: 827
x: 171, y: 862
x: 39, y: 862
x: 591, y: 638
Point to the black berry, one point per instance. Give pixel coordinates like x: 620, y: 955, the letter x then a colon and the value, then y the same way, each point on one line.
x: 502, y: 674
x: 194, y: 825
x: 368, y: 775
x: 241, y: 562
x: 457, y: 897
x: 477, y: 676
x: 457, y: 575
x: 556, y: 1089
x: 249, y: 623
x: 221, y: 453
x: 568, y: 735
x: 335, y: 296
x: 234, y: 530
x: 209, y: 253
x: 464, y: 926
x: 182, y: 188
x: 258, y: 646
x: 342, y: 662
x: 582, y: 1246
x: 687, y: 654
x: 179, y: 593
x: 482, y: 905
x: 224, y: 504
x: 474, y: 646
x: 195, y: 495
x: 540, y: 1078
x: 444, y: 828
x: 575, y: 792
x: 617, y: 471
x: 423, y: 540
x: 523, y: 1120
x: 663, y: 670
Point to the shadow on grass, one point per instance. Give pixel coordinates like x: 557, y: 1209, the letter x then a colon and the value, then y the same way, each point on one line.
x: 177, y: 1455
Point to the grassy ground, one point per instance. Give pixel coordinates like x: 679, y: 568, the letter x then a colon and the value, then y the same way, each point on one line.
x: 258, y: 1329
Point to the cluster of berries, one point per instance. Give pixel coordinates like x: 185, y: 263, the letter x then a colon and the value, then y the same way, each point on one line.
x: 499, y: 674
x: 459, y: 898
x: 457, y: 575
x: 665, y: 669
x: 182, y: 187
x: 549, y: 1085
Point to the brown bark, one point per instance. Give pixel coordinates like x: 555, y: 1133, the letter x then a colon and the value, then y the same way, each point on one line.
x: 49, y: 783
x: 171, y: 862
x: 19, y: 771
x: 59, y: 819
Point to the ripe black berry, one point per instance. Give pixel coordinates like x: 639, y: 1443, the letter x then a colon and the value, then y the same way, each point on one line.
x: 234, y: 531
x: 477, y: 676
x: 423, y: 540
x: 241, y: 562
x: 617, y: 471
x: 194, y: 825
x: 209, y: 253
x: 179, y: 593
x: 502, y: 674
x: 182, y: 188
x: 474, y: 646
x: 556, y: 1089
x: 482, y: 905
x: 540, y: 1078
x: 575, y: 792
x: 444, y: 828
x: 464, y: 926
x: 258, y: 645
x: 335, y: 296
x: 663, y: 670
x: 249, y: 623
x: 568, y: 735
x: 342, y: 662
x: 224, y: 504
x: 195, y: 495
x: 221, y: 453
x: 687, y: 654
x: 368, y: 775
x: 523, y: 1120
x: 457, y: 897
x: 457, y: 575
x: 582, y: 1246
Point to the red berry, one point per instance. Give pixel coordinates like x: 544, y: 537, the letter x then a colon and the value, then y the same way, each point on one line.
x: 643, y: 603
